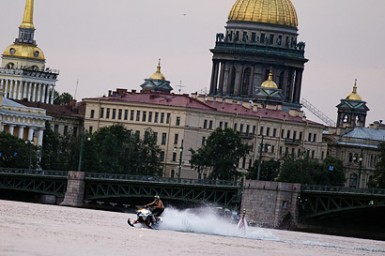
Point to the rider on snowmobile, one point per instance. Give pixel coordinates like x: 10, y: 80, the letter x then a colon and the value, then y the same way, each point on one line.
x: 156, y: 206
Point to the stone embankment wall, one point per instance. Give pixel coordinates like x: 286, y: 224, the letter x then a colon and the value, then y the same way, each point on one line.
x: 271, y: 204
x: 75, y: 189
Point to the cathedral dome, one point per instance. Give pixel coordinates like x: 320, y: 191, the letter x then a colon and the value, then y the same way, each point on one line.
x: 158, y: 74
x: 269, y: 83
x: 277, y: 12
x: 26, y: 51
x: 354, y: 95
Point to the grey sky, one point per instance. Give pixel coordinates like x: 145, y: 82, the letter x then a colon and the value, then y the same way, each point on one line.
x: 110, y: 44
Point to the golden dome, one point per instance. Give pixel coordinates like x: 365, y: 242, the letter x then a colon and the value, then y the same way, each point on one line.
x: 24, y: 51
x: 269, y: 83
x: 158, y: 75
x: 278, y: 12
x: 354, y: 95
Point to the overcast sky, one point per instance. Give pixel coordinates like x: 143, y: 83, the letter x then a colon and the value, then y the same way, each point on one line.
x: 116, y: 44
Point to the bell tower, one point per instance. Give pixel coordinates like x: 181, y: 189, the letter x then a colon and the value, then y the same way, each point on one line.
x: 352, y: 110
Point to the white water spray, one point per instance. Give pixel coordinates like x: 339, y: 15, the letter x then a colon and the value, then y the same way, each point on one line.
x: 208, y: 221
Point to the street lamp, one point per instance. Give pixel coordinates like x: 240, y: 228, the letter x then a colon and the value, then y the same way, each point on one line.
x: 180, y: 158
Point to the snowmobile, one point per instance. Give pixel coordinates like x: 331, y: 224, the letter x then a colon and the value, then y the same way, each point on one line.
x: 145, y: 217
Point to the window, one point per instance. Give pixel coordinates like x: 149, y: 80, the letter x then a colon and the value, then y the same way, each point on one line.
x: 156, y: 137
x: 275, y: 132
x: 101, y: 112
x: 144, y: 116
x: 65, y: 130
x: 314, y: 137
x: 162, y: 118
x: 177, y: 121
x: 125, y: 114
x: 282, y: 133
x: 174, y: 156
x: 288, y: 134
x: 254, y: 129
x: 247, y: 129
x: 156, y: 117
x: 226, y: 124
x: 279, y: 40
x: 168, y: 118
x: 113, y: 113
x: 263, y: 36
x: 164, y: 138
x: 89, y: 129
x: 108, y: 113
x: 235, y: 127
x: 294, y: 135
x: 309, y: 137
x: 161, y: 156
x: 138, y: 115
x: 268, y: 131
x: 56, y: 128
x: 176, y: 138
x: 205, y: 124
x: 120, y: 114
x: 261, y: 130
x: 271, y: 39
x: 211, y: 124
x: 221, y: 124
x: 132, y: 115
x: 300, y: 136
x: 253, y: 37
x: 241, y: 127
x: 75, y: 131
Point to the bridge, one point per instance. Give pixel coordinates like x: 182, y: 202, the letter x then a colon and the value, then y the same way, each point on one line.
x: 103, y: 186
x: 316, y: 200
x: 266, y: 202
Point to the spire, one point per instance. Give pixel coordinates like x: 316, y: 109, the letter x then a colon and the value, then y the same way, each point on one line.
x: 158, y: 74
x: 354, y: 95
x: 28, y: 15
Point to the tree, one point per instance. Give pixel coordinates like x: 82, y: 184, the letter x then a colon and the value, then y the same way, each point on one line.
x: 269, y: 170
x: 306, y: 171
x: 378, y: 179
x: 222, y: 152
x: 16, y: 153
x: 63, y: 99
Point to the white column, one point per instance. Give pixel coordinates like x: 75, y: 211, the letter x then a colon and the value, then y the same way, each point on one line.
x: 18, y: 89
x: 38, y: 92
x: 29, y: 91
x: 24, y: 93
x: 11, y: 129
x: 51, y: 94
x: 10, y: 89
x: 30, y: 133
x: 44, y: 99
x: 34, y: 88
x: 21, y: 132
x: 40, y: 137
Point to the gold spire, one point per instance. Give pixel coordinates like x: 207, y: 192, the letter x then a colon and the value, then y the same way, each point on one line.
x: 28, y: 15
x: 354, y: 95
x: 269, y: 83
x: 158, y: 75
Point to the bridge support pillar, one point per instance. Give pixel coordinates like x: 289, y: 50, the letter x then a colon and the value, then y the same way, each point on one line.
x: 271, y: 204
x: 75, y: 189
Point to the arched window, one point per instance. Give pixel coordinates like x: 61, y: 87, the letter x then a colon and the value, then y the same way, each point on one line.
x: 232, y: 80
x: 10, y: 65
x: 246, y: 81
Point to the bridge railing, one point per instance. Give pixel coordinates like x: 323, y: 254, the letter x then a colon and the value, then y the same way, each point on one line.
x: 35, y: 172
x: 154, y: 179
x: 321, y: 188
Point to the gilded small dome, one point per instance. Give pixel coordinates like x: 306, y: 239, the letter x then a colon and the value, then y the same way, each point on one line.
x: 26, y: 51
x: 277, y: 12
x: 269, y: 83
x: 158, y: 75
x: 354, y: 95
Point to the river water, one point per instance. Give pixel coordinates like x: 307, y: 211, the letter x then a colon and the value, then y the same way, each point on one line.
x: 46, y: 230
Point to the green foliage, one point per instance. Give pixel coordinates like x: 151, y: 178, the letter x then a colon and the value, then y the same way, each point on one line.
x: 221, y: 153
x: 62, y: 99
x: 112, y: 149
x: 307, y: 171
x: 269, y: 170
x: 16, y: 153
x: 378, y: 179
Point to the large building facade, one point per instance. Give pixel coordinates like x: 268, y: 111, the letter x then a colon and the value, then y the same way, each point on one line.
x: 182, y: 122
